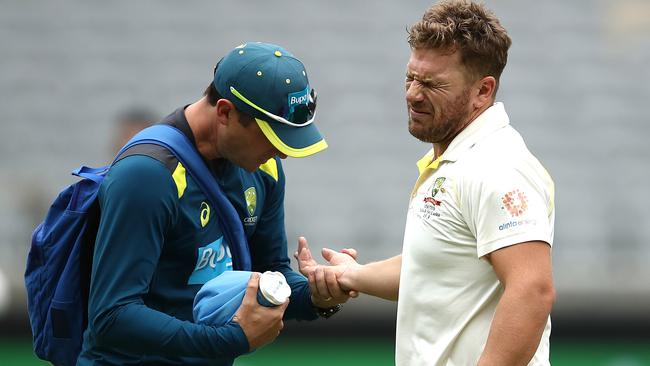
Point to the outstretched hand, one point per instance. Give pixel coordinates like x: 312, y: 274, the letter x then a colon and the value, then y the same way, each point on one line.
x: 328, y: 284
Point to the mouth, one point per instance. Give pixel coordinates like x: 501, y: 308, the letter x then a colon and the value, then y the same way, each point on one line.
x: 418, y: 113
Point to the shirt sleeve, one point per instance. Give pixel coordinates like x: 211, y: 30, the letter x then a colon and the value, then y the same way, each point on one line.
x: 138, y: 201
x: 507, y: 206
x: 269, y: 250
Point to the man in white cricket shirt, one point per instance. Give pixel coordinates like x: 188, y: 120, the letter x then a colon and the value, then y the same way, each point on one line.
x: 474, y: 279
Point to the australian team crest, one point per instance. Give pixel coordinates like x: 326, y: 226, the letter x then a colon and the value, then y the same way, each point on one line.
x: 250, y: 195
x: 251, y: 200
x: 437, y: 187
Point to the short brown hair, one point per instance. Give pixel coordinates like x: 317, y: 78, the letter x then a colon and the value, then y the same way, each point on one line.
x: 469, y: 28
x: 213, y: 97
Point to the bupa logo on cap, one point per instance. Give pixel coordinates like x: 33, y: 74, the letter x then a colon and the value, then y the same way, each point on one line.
x: 296, y: 99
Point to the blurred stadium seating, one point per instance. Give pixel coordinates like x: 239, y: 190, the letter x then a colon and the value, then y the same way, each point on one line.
x: 576, y: 86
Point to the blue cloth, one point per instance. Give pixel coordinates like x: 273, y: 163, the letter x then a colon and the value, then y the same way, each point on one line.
x: 218, y: 300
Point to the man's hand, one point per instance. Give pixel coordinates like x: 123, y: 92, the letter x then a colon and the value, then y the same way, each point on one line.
x: 260, y: 324
x: 327, y: 283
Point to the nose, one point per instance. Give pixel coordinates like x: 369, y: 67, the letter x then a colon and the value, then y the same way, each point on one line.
x: 414, y: 93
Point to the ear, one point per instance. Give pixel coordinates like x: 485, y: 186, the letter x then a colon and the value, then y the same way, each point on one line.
x: 224, y: 110
x: 484, y: 92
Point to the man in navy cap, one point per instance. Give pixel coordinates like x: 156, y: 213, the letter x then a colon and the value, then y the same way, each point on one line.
x: 159, y: 240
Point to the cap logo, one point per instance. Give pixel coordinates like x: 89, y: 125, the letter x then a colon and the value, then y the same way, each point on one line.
x: 298, y: 98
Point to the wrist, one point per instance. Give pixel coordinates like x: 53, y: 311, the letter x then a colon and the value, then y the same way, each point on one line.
x: 349, y: 278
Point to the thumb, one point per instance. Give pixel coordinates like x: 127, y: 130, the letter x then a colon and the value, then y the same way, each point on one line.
x: 351, y: 252
x: 328, y: 254
x: 253, y: 285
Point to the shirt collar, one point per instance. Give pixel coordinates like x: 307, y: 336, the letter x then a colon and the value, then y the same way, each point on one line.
x: 491, y: 120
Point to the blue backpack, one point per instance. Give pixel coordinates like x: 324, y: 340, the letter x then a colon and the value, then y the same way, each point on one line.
x: 57, y: 276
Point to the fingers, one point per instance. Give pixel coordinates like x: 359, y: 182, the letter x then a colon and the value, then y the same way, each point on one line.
x: 334, y: 287
x: 336, y: 258
x: 303, y: 256
x: 302, y: 245
x: 325, y: 288
x: 302, y: 242
x: 260, y: 324
x: 351, y: 252
x: 324, y: 280
x: 279, y: 312
x: 318, y: 288
x: 321, y: 284
x: 283, y: 307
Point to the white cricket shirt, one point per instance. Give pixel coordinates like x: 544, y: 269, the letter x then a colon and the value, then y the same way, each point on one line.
x: 485, y: 192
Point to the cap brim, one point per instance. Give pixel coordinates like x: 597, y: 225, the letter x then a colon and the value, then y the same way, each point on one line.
x: 296, y: 142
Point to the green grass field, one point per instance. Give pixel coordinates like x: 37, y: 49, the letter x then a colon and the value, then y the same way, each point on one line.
x: 292, y: 352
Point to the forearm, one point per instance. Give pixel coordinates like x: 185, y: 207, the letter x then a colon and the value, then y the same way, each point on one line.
x: 380, y: 279
x: 517, y: 326
x: 137, y: 328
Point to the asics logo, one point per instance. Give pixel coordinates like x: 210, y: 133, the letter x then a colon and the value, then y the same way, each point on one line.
x: 205, y: 214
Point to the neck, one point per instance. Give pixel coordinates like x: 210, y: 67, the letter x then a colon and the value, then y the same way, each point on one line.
x: 439, y: 148
x: 200, y: 117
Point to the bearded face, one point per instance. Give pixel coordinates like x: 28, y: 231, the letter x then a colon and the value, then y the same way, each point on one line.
x: 437, y: 96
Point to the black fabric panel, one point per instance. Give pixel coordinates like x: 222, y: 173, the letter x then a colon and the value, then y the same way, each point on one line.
x: 155, y: 151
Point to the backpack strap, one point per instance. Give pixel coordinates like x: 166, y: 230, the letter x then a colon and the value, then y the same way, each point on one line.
x: 176, y: 142
x: 94, y: 174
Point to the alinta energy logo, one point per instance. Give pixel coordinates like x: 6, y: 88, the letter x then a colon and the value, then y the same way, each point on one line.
x: 515, y: 202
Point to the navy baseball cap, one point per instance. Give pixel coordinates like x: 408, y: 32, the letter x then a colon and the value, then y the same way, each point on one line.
x: 268, y: 83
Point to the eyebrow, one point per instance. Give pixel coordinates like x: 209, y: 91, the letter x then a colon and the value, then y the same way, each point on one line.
x: 426, y: 79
